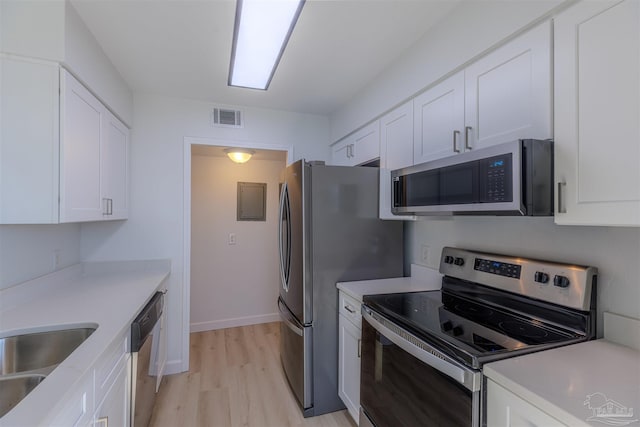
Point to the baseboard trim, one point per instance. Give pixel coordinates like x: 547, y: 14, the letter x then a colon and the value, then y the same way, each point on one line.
x: 235, y: 322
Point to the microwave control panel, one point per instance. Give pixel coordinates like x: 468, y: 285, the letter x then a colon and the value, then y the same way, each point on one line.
x: 497, y: 183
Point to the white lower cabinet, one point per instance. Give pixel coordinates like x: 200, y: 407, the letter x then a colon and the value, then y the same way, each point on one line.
x: 113, y: 411
x: 103, y: 397
x: 349, y: 338
x: 505, y: 409
x: 597, y: 113
x: 78, y: 409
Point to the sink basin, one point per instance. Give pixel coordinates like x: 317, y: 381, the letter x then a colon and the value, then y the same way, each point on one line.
x: 29, y: 352
x: 14, y: 389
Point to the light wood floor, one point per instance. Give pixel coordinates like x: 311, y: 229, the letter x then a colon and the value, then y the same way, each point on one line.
x: 235, y: 379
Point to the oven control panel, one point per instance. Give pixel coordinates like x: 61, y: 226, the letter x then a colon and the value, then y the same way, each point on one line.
x: 497, y: 267
x: 564, y: 284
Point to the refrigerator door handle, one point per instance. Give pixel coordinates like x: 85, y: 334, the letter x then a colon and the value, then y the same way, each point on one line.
x: 288, y: 320
x: 285, y: 252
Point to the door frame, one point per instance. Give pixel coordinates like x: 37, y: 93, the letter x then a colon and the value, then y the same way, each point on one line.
x: 186, y: 208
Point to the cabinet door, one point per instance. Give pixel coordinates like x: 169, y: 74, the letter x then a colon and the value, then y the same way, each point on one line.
x: 114, y: 409
x: 366, y: 144
x: 508, y: 92
x: 505, y: 409
x: 29, y: 141
x: 396, y: 151
x: 341, y: 153
x: 349, y: 366
x: 439, y: 120
x: 80, y: 152
x: 396, y: 138
x: 115, y: 168
x: 597, y: 113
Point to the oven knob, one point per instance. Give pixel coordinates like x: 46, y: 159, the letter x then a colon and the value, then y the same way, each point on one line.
x: 561, y: 281
x: 541, y: 277
x: 457, y: 331
x: 459, y: 261
x: 448, y: 259
x: 447, y: 326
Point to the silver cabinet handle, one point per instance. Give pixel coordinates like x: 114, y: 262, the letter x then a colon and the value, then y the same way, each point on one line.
x: 455, y: 146
x: 467, y: 146
x: 359, y: 348
x: 110, y: 204
x: 561, y: 206
x: 349, y: 309
x: 105, y: 208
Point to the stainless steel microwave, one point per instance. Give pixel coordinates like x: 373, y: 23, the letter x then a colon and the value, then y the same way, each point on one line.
x: 515, y: 178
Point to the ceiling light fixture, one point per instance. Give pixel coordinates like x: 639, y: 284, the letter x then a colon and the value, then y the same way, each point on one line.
x: 239, y: 155
x: 262, y: 30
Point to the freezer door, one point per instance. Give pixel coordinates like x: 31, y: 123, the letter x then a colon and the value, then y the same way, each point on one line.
x: 295, y: 355
x: 292, y: 243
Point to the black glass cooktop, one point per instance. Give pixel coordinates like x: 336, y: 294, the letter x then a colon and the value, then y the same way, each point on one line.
x: 472, y: 330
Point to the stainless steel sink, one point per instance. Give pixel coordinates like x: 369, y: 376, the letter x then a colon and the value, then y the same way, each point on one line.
x: 29, y: 352
x: 26, y: 360
x: 14, y: 389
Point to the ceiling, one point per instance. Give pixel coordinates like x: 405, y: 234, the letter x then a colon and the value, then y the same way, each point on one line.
x: 182, y: 48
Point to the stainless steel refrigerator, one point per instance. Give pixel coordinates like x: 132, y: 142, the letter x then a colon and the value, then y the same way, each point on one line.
x: 329, y: 232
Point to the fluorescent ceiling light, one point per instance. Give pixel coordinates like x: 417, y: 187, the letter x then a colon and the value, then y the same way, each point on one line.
x: 261, y: 32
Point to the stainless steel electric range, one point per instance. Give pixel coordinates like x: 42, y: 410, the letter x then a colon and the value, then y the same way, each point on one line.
x: 422, y: 352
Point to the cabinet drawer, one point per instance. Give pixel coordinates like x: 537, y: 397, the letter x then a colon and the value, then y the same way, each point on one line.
x: 350, y: 308
x: 110, y: 365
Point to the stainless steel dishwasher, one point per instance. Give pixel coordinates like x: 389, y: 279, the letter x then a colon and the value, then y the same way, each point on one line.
x: 144, y: 331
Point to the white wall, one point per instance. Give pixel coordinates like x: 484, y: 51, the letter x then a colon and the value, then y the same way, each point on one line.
x: 85, y: 58
x: 53, y: 30
x: 155, y: 225
x: 232, y: 285
x: 470, y: 29
x: 28, y: 251
x: 614, y: 251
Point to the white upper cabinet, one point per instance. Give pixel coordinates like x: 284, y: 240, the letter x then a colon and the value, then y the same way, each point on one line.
x: 358, y: 148
x: 597, y: 113
x: 115, y: 168
x: 508, y: 93
x: 396, y: 138
x: 63, y: 155
x: 396, y: 151
x: 29, y: 141
x: 80, y: 152
x: 439, y: 120
x: 503, y: 96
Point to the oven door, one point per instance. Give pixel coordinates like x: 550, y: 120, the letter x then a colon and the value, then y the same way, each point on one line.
x: 406, y: 382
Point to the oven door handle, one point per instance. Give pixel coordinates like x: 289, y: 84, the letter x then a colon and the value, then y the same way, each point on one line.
x: 437, y: 360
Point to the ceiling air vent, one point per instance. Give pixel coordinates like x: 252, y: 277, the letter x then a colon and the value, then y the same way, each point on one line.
x: 223, y: 117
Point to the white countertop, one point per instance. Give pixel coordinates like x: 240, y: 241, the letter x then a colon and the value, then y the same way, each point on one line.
x: 422, y: 279
x: 106, y: 295
x: 560, y: 381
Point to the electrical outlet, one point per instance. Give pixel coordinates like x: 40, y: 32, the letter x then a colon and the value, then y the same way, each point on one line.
x: 232, y: 238
x: 424, y: 255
